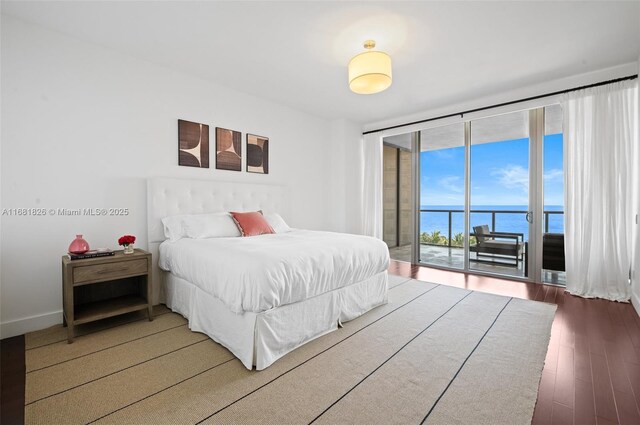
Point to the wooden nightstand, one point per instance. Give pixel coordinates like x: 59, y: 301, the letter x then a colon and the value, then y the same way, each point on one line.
x: 97, y: 288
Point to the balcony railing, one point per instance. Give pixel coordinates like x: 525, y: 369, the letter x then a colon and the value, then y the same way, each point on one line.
x: 493, y: 213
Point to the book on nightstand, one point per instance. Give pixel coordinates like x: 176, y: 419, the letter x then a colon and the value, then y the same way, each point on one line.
x: 91, y: 254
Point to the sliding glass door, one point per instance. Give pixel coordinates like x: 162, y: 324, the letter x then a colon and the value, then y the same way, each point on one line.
x: 499, y: 215
x: 490, y: 195
x: 442, y: 196
x: 398, y: 196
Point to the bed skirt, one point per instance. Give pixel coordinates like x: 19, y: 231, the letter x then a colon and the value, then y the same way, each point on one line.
x: 259, y: 339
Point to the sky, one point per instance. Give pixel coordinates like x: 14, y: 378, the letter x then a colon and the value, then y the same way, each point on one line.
x: 499, y: 174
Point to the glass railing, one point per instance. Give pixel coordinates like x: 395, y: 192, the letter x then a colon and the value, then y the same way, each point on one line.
x: 448, y: 224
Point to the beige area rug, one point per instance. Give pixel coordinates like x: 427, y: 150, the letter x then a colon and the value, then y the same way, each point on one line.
x: 434, y: 354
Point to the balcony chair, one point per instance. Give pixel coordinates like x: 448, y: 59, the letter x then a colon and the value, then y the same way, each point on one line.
x: 502, y: 245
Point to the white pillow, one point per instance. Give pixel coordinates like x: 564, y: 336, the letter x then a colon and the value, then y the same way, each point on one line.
x: 218, y: 225
x: 277, y: 223
x: 173, y: 228
x: 198, y: 226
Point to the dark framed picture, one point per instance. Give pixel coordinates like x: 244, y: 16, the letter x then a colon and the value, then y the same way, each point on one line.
x: 193, y: 144
x: 228, y: 149
x: 257, y: 154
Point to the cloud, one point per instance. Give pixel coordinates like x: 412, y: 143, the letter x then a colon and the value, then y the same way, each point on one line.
x: 513, y: 177
x: 452, y: 183
x: 443, y: 153
x: 431, y: 198
x: 554, y: 174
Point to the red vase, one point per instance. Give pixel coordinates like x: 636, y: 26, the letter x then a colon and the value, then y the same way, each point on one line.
x: 78, y: 245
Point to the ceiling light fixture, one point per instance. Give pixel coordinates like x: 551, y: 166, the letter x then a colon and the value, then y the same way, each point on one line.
x: 370, y: 72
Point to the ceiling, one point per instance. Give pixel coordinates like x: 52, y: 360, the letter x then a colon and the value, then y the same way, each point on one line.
x: 496, y: 128
x: 295, y: 53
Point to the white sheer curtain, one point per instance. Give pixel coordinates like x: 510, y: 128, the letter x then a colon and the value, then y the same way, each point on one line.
x: 600, y: 138
x: 371, y: 162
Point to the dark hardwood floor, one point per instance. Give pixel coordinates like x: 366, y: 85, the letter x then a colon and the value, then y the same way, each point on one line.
x: 12, y: 373
x: 592, y: 370
x: 591, y: 373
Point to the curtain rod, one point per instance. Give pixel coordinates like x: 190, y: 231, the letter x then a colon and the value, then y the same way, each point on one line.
x: 526, y: 99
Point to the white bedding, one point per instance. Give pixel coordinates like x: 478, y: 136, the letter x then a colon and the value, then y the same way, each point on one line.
x: 258, y: 273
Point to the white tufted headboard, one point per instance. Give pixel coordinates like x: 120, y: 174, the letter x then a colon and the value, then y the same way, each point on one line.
x: 167, y: 197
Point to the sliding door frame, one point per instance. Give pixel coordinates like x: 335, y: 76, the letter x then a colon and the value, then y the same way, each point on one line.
x: 415, y: 198
x: 467, y: 197
x: 536, y: 195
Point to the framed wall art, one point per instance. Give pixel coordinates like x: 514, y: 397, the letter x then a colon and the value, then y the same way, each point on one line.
x: 193, y: 144
x: 257, y: 154
x: 228, y: 149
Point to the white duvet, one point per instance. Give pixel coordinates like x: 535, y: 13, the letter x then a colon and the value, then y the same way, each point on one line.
x: 259, y: 273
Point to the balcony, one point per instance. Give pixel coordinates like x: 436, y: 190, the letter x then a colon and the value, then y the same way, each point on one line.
x: 442, y: 245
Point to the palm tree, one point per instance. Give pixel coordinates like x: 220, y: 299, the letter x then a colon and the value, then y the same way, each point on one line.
x: 458, y: 240
x: 434, y: 238
x: 439, y: 239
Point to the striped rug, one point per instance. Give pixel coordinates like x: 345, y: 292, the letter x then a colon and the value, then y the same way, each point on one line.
x: 434, y: 354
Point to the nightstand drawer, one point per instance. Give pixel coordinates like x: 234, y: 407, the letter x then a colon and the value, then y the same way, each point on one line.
x: 109, y: 271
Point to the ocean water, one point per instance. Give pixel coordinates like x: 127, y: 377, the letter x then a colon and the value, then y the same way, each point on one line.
x: 505, y: 222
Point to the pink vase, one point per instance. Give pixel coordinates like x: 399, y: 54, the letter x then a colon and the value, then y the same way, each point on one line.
x: 78, y: 245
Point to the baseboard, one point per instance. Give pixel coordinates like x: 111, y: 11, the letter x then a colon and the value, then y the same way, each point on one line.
x: 635, y: 301
x: 29, y: 324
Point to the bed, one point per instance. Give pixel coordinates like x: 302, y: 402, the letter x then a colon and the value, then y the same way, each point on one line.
x: 262, y: 296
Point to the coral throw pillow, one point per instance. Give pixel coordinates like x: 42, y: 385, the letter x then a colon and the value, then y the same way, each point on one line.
x: 251, y: 223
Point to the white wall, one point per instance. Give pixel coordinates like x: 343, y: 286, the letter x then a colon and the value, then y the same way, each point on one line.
x: 83, y: 127
x: 345, y: 178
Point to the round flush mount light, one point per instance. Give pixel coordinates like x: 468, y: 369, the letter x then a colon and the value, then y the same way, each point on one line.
x: 370, y: 72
